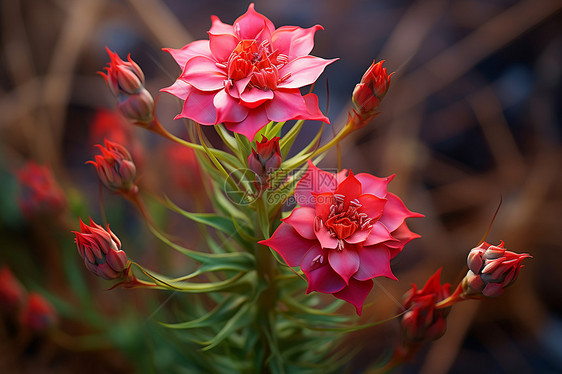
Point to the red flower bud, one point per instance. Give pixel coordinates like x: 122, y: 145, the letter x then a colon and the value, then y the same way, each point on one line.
x: 265, y: 159
x: 491, y: 269
x: 123, y: 77
x: 40, y: 193
x: 101, y: 251
x: 368, y: 94
x: 421, y: 321
x: 38, y: 314
x: 115, y: 167
x: 11, y: 291
x: 138, y: 107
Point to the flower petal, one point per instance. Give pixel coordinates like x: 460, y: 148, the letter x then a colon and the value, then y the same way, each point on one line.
x: 313, y: 112
x: 294, y: 41
x: 321, y: 277
x: 358, y: 236
x: 302, y: 220
x: 402, y: 235
x: 286, y: 105
x: 218, y: 27
x: 375, y: 262
x: 199, y: 107
x: 344, y: 262
x: 315, y: 180
x: 228, y: 108
x: 355, y: 293
x: 379, y: 233
x: 395, y: 212
x: 289, y: 244
x: 253, y: 97
x: 324, y: 202
x: 371, y: 205
x: 193, y: 49
x: 204, y: 74
x: 179, y: 89
x: 253, y: 25
x: 374, y: 185
x: 255, y: 120
x: 350, y: 187
x: 222, y: 45
x: 303, y: 71
x: 325, y: 238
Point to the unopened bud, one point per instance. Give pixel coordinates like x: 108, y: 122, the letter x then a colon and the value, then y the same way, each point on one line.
x: 138, y: 107
x: 115, y: 167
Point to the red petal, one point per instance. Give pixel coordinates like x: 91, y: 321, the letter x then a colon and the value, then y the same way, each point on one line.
x: 255, y: 120
x: 199, y: 107
x: 371, y: 205
x: 395, y: 212
x: 350, y: 188
x: 325, y: 238
x: 204, y: 74
x: 222, y: 45
x: 321, y: 278
x: 196, y: 48
x: 315, y: 180
x: 289, y: 244
x: 302, y: 220
x: 379, y: 233
x: 294, y: 41
x: 374, y: 185
x: 355, y: 293
x: 286, y: 105
x: 344, y: 262
x: 375, y: 262
x: 253, y: 97
x: 228, y: 109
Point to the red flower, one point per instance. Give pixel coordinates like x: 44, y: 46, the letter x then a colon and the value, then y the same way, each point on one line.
x: 248, y: 74
x: 40, y: 193
x: 101, y: 251
x: 492, y: 268
x: 11, y: 291
x: 115, y: 167
x: 38, y: 314
x: 264, y: 160
x: 344, y: 234
x: 125, y: 80
x: 421, y: 320
x: 368, y: 94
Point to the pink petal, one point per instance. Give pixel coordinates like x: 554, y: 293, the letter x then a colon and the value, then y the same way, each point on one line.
x: 313, y: 110
x: 289, y: 244
x: 253, y: 97
x: 228, y: 109
x: 106, y: 272
x: 358, y: 236
x: 199, y: 107
x: 402, y: 235
x: 304, y: 70
x: 315, y: 180
x: 179, y: 89
x: 294, y: 41
x: 222, y: 46
x: 375, y: 262
x: 340, y: 176
x: 374, y: 185
x: 204, y: 74
x: 286, y: 105
x: 302, y: 220
x: 117, y: 260
x: 253, y: 25
x: 395, y: 212
x: 325, y: 238
x: 324, y: 202
x: 196, y: 48
x: 321, y: 277
x: 350, y: 187
x: 220, y: 28
x: 255, y: 120
x: 355, y: 293
x: 492, y: 290
x: 344, y: 262
x: 371, y: 205
x: 379, y: 233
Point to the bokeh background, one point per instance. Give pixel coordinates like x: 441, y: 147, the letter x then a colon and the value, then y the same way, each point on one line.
x: 473, y: 117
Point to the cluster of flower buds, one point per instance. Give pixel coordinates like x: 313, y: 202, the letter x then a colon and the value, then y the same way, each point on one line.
x: 40, y: 194
x: 125, y: 79
x: 264, y: 160
x: 421, y: 320
x: 101, y: 251
x: 35, y: 312
x: 115, y: 167
x: 368, y: 94
x: 491, y: 269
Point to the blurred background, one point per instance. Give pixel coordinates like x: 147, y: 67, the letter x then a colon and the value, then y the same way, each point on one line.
x: 472, y: 118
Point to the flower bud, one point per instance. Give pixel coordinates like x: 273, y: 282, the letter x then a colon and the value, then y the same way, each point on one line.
x: 422, y: 321
x: 40, y: 194
x: 101, y: 251
x: 265, y: 160
x: 123, y: 77
x: 368, y: 94
x: 138, y: 107
x: 12, y: 293
x: 491, y: 269
x: 38, y: 314
x: 115, y: 167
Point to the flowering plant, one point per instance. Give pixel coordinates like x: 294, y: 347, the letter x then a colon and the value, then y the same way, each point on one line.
x: 281, y: 227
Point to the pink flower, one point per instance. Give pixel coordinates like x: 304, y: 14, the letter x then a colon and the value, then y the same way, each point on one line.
x: 344, y: 234
x: 38, y: 314
x: 115, y: 167
x: 248, y: 74
x: 491, y: 269
x: 422, y: 321
x: 40, y: 192
x: 101, y: 251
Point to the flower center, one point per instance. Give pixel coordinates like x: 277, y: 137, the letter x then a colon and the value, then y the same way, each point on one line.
x: 258, y: 61
x: 344, y: 220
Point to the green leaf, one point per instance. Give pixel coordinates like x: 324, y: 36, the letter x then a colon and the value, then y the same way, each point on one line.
x: 287, y: 141
x: 243, y: 317
x: 274, y: 131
